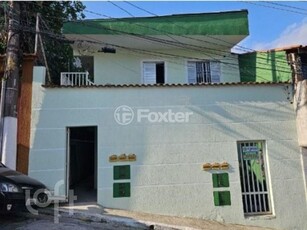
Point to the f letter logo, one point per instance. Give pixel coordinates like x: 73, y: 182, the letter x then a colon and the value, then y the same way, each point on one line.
x: 123, y: 115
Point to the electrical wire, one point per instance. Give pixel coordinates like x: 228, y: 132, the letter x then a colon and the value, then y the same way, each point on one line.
x: 163, y: 41
x: 188, y: 46
x: 275, y: 8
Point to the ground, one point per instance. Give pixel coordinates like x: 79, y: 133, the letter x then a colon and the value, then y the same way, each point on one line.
x: 28, y: 221
x: 87, y: 217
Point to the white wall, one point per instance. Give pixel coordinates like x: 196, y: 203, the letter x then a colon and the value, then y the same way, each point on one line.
x: 167, y: 177
x: 125, y: 67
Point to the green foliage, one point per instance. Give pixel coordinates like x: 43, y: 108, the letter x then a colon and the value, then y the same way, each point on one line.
x: 59, y: 53
x: 3, y: 26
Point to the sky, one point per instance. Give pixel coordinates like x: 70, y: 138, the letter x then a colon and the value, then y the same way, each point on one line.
x: 272, y: 24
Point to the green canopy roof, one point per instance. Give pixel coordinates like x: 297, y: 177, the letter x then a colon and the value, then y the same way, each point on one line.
x: 218, y: 23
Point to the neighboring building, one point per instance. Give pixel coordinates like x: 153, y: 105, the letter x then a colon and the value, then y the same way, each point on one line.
x: 161, y: 123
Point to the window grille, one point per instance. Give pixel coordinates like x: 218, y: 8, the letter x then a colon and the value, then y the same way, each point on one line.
x: 254, y: 185
x: 204, y: 71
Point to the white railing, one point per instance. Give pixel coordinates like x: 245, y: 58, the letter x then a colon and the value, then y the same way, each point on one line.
x: 75, y: 78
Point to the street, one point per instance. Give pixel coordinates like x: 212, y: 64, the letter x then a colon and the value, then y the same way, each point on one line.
x: 28, y: 221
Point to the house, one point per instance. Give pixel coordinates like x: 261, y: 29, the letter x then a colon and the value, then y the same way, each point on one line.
x: 159, y: 121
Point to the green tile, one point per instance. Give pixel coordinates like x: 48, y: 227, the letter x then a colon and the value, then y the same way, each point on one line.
x: 220, y: 180
x: 121, y: 172
x: 221, y: 198
x: 121, y: 190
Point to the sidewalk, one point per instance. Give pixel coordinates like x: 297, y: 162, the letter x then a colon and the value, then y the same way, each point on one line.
x: 136, y: 220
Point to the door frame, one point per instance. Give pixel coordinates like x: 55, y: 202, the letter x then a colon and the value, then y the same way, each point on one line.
x: 67, y: 163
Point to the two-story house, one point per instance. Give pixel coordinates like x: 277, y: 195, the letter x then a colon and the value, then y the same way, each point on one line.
x: 158, y: 120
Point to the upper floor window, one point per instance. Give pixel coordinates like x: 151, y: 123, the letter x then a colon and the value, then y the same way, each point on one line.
x: 204, y: 71
x: 153, y: 73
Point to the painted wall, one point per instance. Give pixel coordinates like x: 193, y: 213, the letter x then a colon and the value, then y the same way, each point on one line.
x: 125, y: 67
x: 167, y: 177
x: 265, y: 66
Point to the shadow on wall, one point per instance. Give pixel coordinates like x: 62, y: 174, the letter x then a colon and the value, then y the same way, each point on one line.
x: 264, y: 66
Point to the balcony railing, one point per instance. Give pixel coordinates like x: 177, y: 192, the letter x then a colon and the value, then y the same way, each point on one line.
x: 75, y: 78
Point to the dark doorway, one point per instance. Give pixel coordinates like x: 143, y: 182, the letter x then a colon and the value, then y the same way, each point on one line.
x: 160, y: 73
x: 82, y: 163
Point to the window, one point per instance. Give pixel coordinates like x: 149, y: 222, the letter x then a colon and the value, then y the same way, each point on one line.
x: 82, y: 64
x: 153, y: 73
x: 204, y: 71
x: 254, y: 185
x: 221, y: 198
x: 121, y: 172
x: 220, y: 180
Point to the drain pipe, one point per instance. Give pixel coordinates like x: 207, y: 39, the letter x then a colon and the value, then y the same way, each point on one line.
x: 3, y: 86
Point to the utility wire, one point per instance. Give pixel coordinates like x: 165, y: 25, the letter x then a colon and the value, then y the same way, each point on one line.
x: 215, y: 38
x: 164, y: 55
x: 121, y: 8
x: 177, y: 55
x: 276, y: 8
x: 188, y: 46
x: 102, y: 27
x: 146, y: 11
x: 286, y: 6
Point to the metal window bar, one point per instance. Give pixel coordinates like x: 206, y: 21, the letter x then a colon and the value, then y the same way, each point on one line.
x: 255, y: 195
x: 203, y: 73
x: 207, y: 71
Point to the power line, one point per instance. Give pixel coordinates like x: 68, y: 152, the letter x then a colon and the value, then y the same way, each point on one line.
x: 287, y: 6
x: 146, y: 11
x: 121, y: 8
x: 163, y: 41
x: 215, y: 38
x: 276, y: 8
x: 188, y: 46
x: 164, y: 55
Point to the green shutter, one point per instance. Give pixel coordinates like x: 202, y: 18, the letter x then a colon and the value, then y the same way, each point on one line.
x: 121, y: 190
x: 121, y: 172
x: 221, y: 198
x: 220, y: 180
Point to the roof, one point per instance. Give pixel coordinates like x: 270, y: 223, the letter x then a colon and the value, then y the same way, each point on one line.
x: 174, y: 85
x: 214, y: 23
x: 286, y: 48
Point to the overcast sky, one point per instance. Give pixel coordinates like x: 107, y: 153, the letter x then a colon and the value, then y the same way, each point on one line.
x: 271, y: 24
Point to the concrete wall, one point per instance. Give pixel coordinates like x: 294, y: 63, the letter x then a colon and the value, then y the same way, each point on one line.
x: 167, y: 177
x: 125, y: 67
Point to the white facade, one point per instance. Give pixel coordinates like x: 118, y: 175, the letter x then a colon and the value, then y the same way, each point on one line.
x: 167, y: 176
x: 126, y: 67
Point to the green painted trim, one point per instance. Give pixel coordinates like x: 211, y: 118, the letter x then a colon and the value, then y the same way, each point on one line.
x: 121, y: 190
x: 121, y: 172
x: 264, y: 67
x: 220, y: 180
x: 221, y: 198
x: 221, y: 23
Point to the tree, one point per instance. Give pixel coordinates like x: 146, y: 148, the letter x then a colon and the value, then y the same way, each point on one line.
x: 17, y: 36
x: 59, y: 53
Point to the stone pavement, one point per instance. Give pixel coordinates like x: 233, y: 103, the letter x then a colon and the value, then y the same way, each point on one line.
x: 136, y: 220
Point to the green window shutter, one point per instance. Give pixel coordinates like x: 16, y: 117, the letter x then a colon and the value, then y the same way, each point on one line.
x: 220, y: 180
x: 121, y: 172
x: 221, y: 198
x: 216, y: 198
x: 121, y: 190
